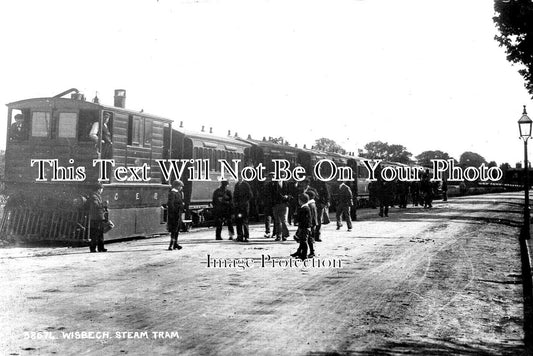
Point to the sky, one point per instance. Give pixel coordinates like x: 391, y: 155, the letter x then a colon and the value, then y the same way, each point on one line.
x: 426, y: 74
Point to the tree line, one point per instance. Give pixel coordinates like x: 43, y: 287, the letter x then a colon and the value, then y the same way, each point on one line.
x: 399, y: 153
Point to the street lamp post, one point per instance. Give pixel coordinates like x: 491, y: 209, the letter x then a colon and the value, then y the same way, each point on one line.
x: 524, y: 125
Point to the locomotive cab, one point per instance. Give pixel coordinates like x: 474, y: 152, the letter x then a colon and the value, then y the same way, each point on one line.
x: 51, y: 147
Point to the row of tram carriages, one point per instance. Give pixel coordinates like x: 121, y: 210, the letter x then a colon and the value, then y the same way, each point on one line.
x: 55, y: 130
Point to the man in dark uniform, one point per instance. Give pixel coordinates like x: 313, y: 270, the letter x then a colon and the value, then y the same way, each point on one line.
x: 403, y: 190
x: 426, y: 187
x: 386, y: 195
x: 18, y: 130
x: 445, y: 190
x: 175, y: 207
x: 294, y: 189
x: 304, y: 234
x: 242, y: 194
x: 280, y: 199
x: 268, y: 211
x: 222, y: 201
x: 415, y: 192
x: 355, y: 193
x: 321, y: 201
x: 97, y: 217
x: 305, y: 187
x: 107, y: 148
x: 344, y: 204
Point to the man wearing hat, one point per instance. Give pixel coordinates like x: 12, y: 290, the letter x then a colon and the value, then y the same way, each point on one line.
x: 222, y: 203
x: 106, y: 142
x: 18, y: 129
x: 175, y: 205
x: 97, y: 216
x: 242, y: 194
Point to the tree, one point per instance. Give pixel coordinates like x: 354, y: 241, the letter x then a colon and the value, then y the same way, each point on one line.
x: 382, y: 150
x: 471, y: 159
x: 505, y: 166
x: 328, y: 145
x: 514, y: 21
x: 424, y: 159
x: 492, y: 164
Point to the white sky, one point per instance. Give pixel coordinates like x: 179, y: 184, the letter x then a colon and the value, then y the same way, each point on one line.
x: 426, y: 74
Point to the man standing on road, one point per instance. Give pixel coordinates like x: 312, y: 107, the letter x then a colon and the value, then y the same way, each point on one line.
x: 426, y: 186
x: 175, y: 207
x: 242, y: 194
x: 280, y: 199
x: 304, y: 234
x: 322, y: 202
x: 386, y: 195
x: 97, y: 216
x: 268, y: 211
x: 222, y: 201
x: 345, y: 202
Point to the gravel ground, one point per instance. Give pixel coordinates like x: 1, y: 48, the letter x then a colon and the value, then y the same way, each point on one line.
x: 435, y: 281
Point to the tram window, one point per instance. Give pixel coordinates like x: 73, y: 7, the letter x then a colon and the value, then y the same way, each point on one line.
x: 40, y: 124
x: 67, y: 125
x: 86, y: 120
x: 134, y: 131
x: 147, y: 132
x: 19, y: 126
x: 212, y: 159
x: 215, y: 159
x: 207, y: 154
x: 363, y: 172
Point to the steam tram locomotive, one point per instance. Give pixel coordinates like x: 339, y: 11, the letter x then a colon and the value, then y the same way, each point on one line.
x: 57, y: 128
x: 56, y: 131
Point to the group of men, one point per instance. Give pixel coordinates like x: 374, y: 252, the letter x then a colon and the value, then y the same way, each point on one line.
x: 227, y: 204
x: 422, y: 192
x: 279, y: 202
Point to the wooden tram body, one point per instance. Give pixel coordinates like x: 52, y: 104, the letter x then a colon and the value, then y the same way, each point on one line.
x: 198, y: 195
x: 266, y: 151
x: 58, y: 128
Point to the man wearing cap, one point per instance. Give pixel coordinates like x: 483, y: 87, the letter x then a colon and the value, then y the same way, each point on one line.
x: 322, y: 203
x: 268, y: 211
x: 97, y: 212
x: 222, y: 203
x: 175, y: 205
x: 344, y: 204
x: 280, y: 199
x: 18, y: 129
x: 242, y: 194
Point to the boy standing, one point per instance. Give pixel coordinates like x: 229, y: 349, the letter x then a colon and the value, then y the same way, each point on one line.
x: 304, y: 225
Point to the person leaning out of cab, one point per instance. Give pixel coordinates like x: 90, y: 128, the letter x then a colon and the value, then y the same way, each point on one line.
x: 18, y: 130
x: 105, y: 140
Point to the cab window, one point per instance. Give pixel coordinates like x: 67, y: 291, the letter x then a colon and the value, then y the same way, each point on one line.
x: 67, y: 125
x: 40, y: 124
x: 19, y: 125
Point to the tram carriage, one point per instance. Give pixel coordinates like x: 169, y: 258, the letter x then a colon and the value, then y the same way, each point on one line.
x: 198, y: 195
x: 265, y: 151
x: 57, y: 128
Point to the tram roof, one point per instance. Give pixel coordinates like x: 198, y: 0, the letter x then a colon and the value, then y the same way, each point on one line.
x: 204, y: 136
x: 271, y: 145
x: 83, y: 104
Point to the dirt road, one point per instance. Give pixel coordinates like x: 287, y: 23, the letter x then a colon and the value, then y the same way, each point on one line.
x: 440, y: 281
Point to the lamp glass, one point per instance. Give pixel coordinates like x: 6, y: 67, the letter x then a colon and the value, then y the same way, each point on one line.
x: 524, y: 124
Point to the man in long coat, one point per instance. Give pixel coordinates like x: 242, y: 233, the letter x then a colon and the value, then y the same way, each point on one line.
x: 175, y: 207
